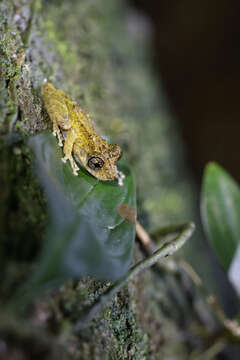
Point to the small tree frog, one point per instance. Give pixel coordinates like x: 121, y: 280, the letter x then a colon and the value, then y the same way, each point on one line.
x: 75, y: 132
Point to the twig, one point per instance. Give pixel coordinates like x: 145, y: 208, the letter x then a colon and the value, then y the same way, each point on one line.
x: 229, y: 324
x: 144, y: 236
x: 146, y: 239
x: 191, y: 272
x: 210, y: 353
x: 166, y: 250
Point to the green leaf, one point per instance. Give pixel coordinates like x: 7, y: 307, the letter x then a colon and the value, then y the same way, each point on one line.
x: 86, y: 235
x: 220, y: 212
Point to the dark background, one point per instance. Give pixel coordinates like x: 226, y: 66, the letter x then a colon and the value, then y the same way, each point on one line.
x: 197, y: 57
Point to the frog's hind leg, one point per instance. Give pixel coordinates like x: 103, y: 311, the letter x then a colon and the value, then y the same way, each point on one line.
x: 68, y: 148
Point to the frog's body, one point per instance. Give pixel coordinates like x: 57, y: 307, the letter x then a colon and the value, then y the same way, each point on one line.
x: 81, y: 140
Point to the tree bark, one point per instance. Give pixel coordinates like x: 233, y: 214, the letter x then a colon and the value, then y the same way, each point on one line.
x: 95, y: 52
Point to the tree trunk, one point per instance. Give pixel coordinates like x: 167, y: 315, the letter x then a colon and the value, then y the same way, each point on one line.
x: 95, y: 51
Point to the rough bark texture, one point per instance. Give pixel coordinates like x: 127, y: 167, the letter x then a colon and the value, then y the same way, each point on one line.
x: 94, y: 51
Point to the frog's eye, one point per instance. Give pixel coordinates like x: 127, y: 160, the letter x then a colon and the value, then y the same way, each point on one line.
x: 95, y: 163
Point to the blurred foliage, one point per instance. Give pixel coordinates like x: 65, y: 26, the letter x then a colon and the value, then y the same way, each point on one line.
x: 220, y: 211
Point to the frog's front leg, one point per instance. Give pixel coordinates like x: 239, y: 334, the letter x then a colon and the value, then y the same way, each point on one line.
x: 56, y: 132
x: 60, y: 120
x: 68, y: 148
x: 59, y: 115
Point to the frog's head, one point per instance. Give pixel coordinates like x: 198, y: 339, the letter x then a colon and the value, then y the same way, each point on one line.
x: 102, y: 164
x: 48, y: 88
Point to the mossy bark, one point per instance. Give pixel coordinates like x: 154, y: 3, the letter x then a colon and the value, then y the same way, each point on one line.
x: 95, y: 52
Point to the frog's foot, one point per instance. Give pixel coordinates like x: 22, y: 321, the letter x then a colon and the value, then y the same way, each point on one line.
x: 57, y: 133
x: 74, y: 166
x: 75, y: 172
x: 120, y: 177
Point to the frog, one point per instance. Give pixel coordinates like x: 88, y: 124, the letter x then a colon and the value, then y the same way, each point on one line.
x: 81, y: 143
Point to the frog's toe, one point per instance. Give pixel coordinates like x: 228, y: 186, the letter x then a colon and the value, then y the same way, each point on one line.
x: 60, y: 143
x: 76, y: 167
x: 54, y: 133
x: 75, y: 173
x: 64, y: 159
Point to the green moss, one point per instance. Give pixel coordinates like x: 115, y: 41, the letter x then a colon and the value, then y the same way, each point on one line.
x: 116, y: 332
x: 128, y: 338
x: 21, y: 73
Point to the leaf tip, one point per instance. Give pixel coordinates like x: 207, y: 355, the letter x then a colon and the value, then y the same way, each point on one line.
x: 212, y: 166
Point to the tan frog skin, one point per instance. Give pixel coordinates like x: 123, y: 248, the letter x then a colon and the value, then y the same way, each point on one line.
x: 73, y: 127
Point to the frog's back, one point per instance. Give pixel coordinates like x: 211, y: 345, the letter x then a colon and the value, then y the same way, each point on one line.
x: 81, y: 121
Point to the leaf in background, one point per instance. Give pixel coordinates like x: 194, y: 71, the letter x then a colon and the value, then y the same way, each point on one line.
x: 86, y: 235
x: 220, y: 212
